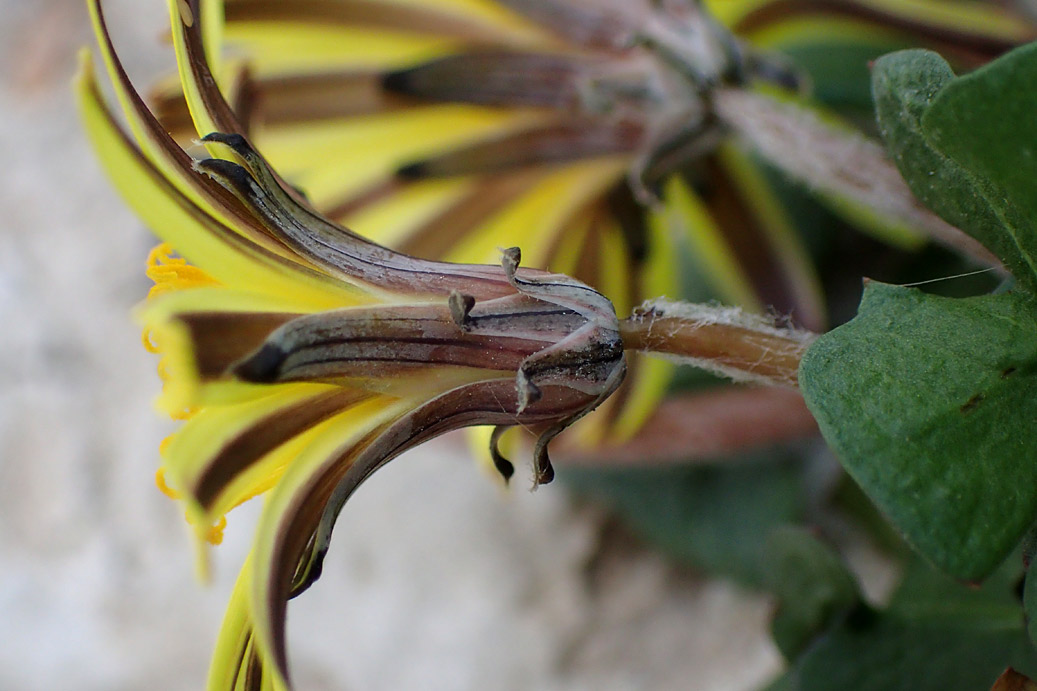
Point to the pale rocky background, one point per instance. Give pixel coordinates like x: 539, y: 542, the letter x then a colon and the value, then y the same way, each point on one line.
x: 437, y: 580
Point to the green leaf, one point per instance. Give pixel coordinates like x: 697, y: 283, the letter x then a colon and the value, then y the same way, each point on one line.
x: 813, y: 586
x: 716, y: 518
x: 936, y: 635
x: 905, y: 85
x: 987, y: 122
x: 925, y: 594
x: 931, y: 405
x: 891, y: 653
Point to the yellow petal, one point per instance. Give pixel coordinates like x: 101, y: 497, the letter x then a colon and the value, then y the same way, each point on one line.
x: 330, y: 160
x: 478, y: 439
x: 813, y: 28
x: 782, y: 236
x: 730, y: 11
x: 651, y: 376
x: 958, y: 15
x: 282, y: 44
x: 963, y: 16
x: 191, y: 450
x: 162, y: 153
x: 615, y: 278
x: 184, y: 387
x: 534, y: 220
x: 276, y: 48
x: 391, y: 221
x: 212, y: 32
x: 330, y: 453
x: 488, y: 11
x: 687, y: 220
x: 130, y: 102
x: 232, y: 653
x: 647, y: 390
x: 181, y: 18
x: 201, y: 239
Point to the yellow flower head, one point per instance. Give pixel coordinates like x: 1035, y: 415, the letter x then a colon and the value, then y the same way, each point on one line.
x: 303, y: 356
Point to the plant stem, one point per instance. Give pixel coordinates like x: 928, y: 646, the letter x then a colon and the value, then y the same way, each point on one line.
x: 723, y: 340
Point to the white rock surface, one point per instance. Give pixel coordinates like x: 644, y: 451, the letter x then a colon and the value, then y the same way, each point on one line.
x: 437, y: 580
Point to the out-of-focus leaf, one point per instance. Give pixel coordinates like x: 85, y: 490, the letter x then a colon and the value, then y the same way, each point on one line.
x: 854, y: 504
x: 717, y: 518
x: 936, y: 635
x: 891, y: 654
x: 813, y: 586
x: 838, y: 70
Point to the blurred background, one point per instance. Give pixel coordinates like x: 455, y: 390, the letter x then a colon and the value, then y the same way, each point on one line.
x: 437, y: 579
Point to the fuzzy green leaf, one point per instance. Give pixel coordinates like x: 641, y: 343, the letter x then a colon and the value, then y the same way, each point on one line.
x: 813, y: 586
x: 931, y: 404
x: 987, y: 122
x: 968, y: 146
x: 905, y: 85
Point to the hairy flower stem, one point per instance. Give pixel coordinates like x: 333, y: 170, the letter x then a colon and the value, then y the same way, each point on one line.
x: 723, y: 340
